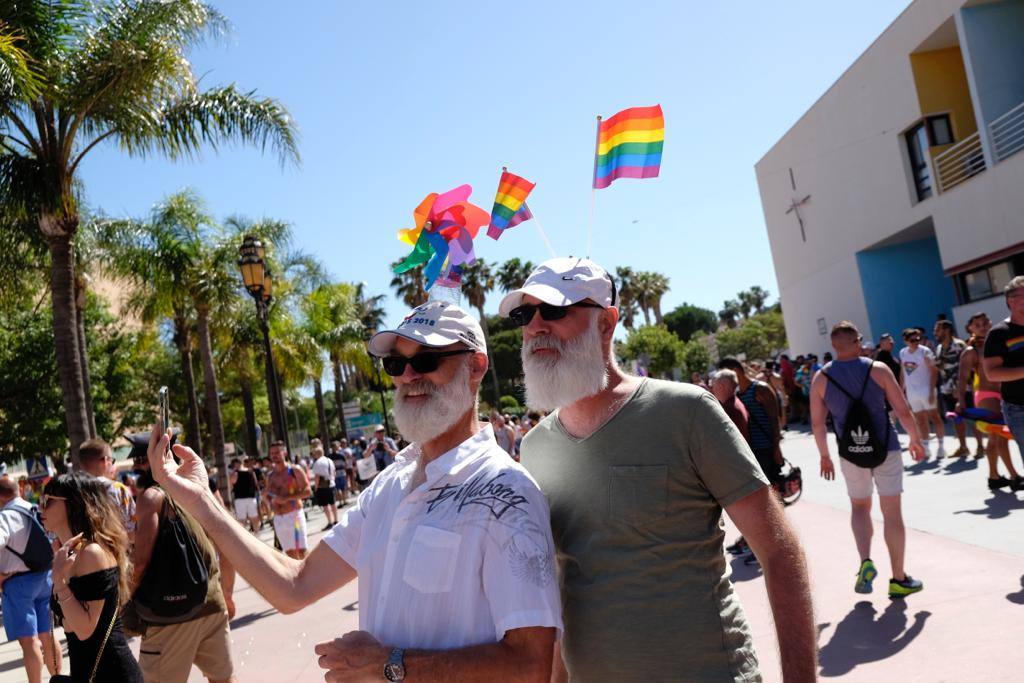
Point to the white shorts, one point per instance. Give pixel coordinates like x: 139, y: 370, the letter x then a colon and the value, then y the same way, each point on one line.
x: 920, y: 403
x: 887, y: 477
x: 245, y: 508
x: 292, y: 535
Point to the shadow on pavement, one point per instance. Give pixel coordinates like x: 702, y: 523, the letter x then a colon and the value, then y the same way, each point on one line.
x: 744, y: 572
x: 923, y: 466
x: 351, y: 607
x: 245, y: 620
x: 959, y: 465
x: 859, y: 638
x: 998, y: 506
x: 1018, y: 597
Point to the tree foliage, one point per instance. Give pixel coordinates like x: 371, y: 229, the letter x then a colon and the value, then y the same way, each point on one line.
x: 760, y: 336
x: 686, y: 320
x: 655, y: 348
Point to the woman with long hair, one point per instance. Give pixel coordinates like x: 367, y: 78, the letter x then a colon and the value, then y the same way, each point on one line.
x: 91, y: 569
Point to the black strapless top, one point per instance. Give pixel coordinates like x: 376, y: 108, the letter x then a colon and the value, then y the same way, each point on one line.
x: 117, y: 663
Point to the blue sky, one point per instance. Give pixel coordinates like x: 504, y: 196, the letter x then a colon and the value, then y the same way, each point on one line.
x: 397, y: 99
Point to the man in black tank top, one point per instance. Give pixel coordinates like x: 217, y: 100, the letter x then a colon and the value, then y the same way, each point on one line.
x: 860, y: 481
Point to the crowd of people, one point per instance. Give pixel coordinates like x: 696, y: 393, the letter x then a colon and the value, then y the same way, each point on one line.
x: 536, y: 547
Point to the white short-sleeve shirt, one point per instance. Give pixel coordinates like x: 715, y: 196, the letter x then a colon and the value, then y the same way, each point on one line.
x: 458, y: 561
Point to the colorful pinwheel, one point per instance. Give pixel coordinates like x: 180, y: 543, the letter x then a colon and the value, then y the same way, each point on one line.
x: 446, y: 225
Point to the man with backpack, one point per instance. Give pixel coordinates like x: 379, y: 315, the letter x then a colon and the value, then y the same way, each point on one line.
x: 25, y: 559
x: 853, y: 390
x: 179, y: 597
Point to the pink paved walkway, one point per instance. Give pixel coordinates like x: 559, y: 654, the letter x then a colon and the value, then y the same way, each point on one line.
x: 964, y: 627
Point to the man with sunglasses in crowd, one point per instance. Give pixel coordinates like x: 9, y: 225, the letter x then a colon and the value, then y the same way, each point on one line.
x: 637, y: 472
x: 452, y: 544
x: 919, y: 380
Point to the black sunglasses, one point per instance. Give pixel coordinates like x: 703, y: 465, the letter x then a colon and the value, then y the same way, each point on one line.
x: 421, y: 362
x: 522, y: 315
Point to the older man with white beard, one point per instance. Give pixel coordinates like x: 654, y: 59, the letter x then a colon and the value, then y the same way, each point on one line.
x: 637, y: 472
x: 451, y: 543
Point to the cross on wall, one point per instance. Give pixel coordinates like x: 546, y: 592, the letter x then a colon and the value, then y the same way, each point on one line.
x: 794, y: 206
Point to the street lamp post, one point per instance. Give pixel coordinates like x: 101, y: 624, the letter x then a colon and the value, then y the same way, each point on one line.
x: 259, y: 283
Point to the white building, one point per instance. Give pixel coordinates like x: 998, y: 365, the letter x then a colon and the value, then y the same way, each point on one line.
x: 911, y: 186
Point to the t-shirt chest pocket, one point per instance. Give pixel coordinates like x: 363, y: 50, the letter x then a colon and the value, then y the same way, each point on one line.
x: 637, y: 494
x: 432, y: 559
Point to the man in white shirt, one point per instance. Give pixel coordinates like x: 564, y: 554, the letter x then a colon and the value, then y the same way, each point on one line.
x: 918, y: 378
x: 26, y: 594
x: 452, y: 544
x: 323, y: 487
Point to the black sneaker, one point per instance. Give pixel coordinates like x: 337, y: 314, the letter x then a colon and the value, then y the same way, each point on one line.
x: 999, y: 482
x: 738, y: 548
x: 1017, y: 484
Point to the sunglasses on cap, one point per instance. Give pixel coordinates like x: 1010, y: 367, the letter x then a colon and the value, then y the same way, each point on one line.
x: 522, y: 315
x: 422, y: 362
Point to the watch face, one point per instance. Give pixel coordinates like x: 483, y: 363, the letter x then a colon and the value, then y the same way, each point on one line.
x: 394, y: 671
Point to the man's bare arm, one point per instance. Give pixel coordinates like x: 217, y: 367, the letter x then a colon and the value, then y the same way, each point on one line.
x: 997, y: 372
x: 819, y: 411
x: 883, y: 376
x: 147, y: 513
x: 760, y: 519
x: 286, y: 583
x: 968, y: 360
x: 524, y: 654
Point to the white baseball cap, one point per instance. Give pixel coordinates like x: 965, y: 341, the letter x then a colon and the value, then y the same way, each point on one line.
x: 564, y: 281
x: 435, y: 324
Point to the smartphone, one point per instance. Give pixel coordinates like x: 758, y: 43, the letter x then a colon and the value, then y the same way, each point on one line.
x: 165, y: 408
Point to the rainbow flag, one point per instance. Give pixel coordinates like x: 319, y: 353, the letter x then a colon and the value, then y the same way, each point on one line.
x: 629, y: 145
x: 509, y: 204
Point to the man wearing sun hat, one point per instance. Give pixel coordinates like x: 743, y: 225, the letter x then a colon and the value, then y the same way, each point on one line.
x: 637, y: 472
x: 452, y: 543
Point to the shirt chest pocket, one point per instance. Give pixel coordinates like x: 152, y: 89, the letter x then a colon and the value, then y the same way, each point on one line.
x: 637, y: 494
x: 431, y: 561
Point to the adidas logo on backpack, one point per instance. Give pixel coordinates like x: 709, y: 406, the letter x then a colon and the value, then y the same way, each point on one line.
x: 859, y: 436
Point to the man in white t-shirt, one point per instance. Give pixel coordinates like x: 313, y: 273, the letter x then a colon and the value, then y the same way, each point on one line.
x: 919, y: 380
x: 323, y: 487
x: 452, y: 543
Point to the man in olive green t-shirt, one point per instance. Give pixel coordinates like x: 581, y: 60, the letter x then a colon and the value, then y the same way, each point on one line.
x: 637, y: 472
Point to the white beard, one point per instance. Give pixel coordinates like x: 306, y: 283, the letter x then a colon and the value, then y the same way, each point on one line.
x: 419, y: 423
x: 578, y: 371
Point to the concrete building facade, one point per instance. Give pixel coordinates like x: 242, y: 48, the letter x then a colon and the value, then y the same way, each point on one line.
x: 899, y: 196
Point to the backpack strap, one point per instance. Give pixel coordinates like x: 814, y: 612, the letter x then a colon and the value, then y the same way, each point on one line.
x: 863, y: 388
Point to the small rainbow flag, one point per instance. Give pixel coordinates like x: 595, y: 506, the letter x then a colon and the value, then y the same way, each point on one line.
x: 509, y: 204
x: 629, y: 145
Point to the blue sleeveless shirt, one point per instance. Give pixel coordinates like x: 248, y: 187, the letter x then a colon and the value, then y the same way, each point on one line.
x: 850, y: 375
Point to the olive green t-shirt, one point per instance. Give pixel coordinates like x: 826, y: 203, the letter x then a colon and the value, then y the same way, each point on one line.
x: 636, y: 514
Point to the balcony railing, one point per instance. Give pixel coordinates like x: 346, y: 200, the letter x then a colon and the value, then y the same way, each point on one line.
x: 1008, y: 133
x: 962, y: 161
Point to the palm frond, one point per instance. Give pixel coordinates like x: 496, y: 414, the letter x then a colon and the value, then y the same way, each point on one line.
x: 181, y: 127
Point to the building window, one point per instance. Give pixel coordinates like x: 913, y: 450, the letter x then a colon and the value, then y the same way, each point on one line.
x: 989, y: 280
x: 940, y: 131
x: 917, y: 148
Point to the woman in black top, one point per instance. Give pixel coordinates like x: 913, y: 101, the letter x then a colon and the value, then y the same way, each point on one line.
x: 88, y: 585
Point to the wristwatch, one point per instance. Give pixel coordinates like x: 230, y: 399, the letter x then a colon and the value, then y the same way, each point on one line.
x: 394, y: 670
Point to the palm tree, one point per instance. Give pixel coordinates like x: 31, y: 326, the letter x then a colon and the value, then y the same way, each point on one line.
x: 477, y: 280
x: 238, y: 336
x: 731, y: 311
x: 627, y: 303
x: 746, y: 303
x: 408, y: 286
x: 649, y: 287
x: 332, y: 321
x: 758, y: 298
x: 76, y: 74
x: 156, y: 258
x: 513, y: 273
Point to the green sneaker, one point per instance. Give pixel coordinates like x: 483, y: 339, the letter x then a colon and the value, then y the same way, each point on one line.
x: 901, y: 589
x: 865, y: 576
